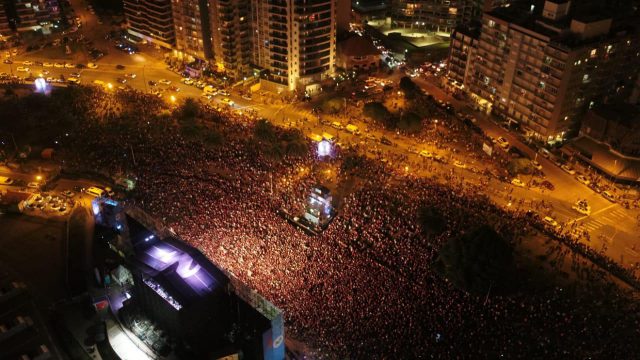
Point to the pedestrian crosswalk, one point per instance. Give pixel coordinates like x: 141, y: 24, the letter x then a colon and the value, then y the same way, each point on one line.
x: 611, y: 218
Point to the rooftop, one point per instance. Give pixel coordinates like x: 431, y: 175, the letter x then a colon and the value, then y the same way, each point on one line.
x: 357, y: 45
x: 471, y: 29
x: 626, y: 114
x: 601, y: 156
x: 529, y: 16
x: 179, y: 269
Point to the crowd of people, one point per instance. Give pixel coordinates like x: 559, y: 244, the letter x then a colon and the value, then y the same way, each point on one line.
x: 365, y: 287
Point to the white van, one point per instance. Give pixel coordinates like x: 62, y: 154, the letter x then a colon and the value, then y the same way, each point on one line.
x: 337, y: 125
x: 328, y: 136
x: 353, y: 129
x: 95, y: 191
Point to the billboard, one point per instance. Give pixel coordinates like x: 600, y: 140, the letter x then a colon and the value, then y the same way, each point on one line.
x: 272, y: 339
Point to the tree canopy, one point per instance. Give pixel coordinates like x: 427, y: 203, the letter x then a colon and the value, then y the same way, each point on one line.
x: 431, y: 220
x: 477, y: 262
x: 409, y: 87
x: 333, y: 105
x: 409, y: 122
x: 378, y: 112
x: 276, y: 144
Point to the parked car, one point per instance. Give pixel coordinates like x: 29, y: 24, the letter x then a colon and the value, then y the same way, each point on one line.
x: 459, y: 164
x: 568, y: 169
x: 536, y: 165
x: 609, y: 196
x: 583, y: 180
x: 517, y: 182
x: 551, y: 222
x: 595, y: 187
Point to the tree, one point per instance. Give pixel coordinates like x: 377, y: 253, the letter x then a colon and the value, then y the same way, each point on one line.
x: 264, y: 130
x: 213, y: 137
x: 378, y: 112
x: 477, y: 262
x: 295, y: 143
x: 333, y: 105
x: 519, y: 166
x: 189, y: 110
x: 276, y: 144
x: 410, y: 122
x: 352, y: 160
x: 409, y: 87
x: 431, y: 220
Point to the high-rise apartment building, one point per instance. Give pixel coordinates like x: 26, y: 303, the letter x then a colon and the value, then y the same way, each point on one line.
x: 436, y: 15
x: 192, y: 28
x: 440, y: 15
x: 150, y: 20
x: 231, y: 30
x: 291, y: 42
x: 5, y: 28
x: 544, y: 65
x: 26, y: 15
x: 462, y: 50
x: 294, y: 41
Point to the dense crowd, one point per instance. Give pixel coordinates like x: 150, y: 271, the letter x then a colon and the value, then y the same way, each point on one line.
x: 364, y: 288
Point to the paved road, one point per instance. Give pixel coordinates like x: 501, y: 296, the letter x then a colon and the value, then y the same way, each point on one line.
x: 609, y: 224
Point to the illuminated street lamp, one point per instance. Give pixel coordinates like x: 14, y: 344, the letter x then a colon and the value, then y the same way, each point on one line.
x: 172, y: 98
x: 39, y: 177
x: 109, y: 86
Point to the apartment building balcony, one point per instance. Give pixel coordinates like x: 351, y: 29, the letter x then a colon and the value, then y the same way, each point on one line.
x: 315, y: 9
x: 280, y: 58
x: 278, y: 10
x: 278, y: 35
x: 280, y: 43
x: 316, y: 25
x: 277, y: 27
x: 280, y: 3
x: 314, y: 71
x: 315, y: 41
x: 279, y: 65
x: 279, y: 50
x: 278, y: 18
x: 312, y: 57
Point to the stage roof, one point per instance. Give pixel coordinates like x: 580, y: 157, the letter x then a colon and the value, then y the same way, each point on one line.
x: 179, y: 268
